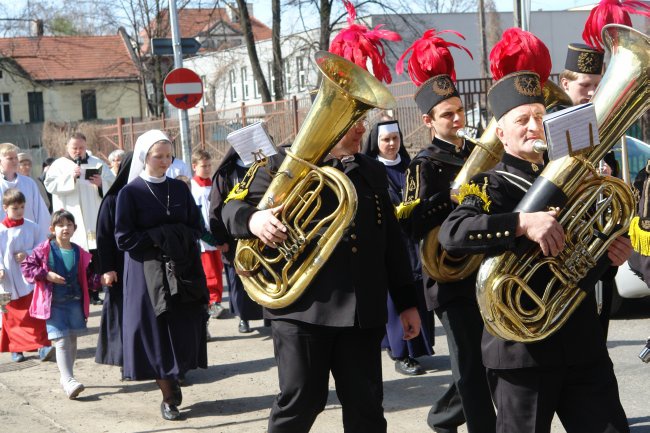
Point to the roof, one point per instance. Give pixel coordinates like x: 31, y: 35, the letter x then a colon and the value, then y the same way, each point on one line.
x: 71, y: 58
x: 199, y: 22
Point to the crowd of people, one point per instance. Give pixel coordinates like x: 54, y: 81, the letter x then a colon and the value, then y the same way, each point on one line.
x: 157, y: 236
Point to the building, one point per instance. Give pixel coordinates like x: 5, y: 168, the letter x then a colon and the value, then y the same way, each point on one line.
x: 67, y: 79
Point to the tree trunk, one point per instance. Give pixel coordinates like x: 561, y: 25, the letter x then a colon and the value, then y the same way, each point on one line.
x: 278, y: 74
x: 325, y: 29
x: 245, y: 21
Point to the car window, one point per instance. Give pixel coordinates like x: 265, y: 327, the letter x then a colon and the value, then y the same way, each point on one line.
x: 638, y: 154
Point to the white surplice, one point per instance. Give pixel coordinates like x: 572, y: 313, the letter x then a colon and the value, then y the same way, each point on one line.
x: 201, y: 196
x: 19, y: 239
x: 35, y: 207
x: 78, y: 196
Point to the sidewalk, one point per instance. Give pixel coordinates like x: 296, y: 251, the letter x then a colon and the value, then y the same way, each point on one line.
x: 235, y: 393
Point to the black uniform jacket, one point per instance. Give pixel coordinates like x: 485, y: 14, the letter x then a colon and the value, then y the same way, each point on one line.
x: 471, y: 229
x: 429, y: 178
x: 350, y: 288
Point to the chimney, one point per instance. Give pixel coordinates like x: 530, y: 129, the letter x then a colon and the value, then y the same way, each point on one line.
x: 36, y: 29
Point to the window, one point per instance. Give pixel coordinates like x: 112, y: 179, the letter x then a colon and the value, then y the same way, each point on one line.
x: 35, y: 105
x: 300, y: 66
x: 233, y: 85
x: 88, y: 105
x: 244, y: 83
x: 0, y: 74
x: 287, y: 76
x: 256, y: 90
x: 5, y: 109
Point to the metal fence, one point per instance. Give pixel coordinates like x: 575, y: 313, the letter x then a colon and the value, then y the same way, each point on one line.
x: 208, y: 130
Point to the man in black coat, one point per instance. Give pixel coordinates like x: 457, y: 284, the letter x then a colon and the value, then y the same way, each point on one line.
x: 427, y: 203
x: 570, y: 372
x: 337, y: 324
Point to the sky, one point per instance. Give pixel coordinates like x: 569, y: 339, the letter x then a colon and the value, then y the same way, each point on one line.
x: 262, y: 9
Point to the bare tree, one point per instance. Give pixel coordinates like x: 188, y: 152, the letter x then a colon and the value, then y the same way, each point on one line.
x: 278, y: 74
x: 247, y: 29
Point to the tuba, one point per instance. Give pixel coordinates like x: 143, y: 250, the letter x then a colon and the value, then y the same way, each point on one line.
x: 488, y: 150
x: 275, y: 278
x: 594, y: 210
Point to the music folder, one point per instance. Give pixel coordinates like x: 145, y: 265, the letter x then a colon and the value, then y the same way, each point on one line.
x: 571, y: 131
x: 252, y: 143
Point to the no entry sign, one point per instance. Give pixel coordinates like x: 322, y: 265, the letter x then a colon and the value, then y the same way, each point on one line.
x: 183, y: 88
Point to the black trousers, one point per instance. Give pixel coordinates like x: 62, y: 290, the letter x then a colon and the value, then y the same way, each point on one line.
x: 585, y: 398
x: 305, y: 355
x: 468, y: 397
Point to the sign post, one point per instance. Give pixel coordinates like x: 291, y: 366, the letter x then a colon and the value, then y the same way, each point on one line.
x: 183, y: 120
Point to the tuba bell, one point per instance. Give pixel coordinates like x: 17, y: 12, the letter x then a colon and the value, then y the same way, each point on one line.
x: 488, y: 150
x: 275, y: 278
x: 594, y: 210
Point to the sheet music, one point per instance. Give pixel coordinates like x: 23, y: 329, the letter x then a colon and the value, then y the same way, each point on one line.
x: 250, y: 141
x: 571, y: 130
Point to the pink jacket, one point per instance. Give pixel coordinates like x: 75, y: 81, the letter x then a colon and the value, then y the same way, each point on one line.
x: 35, y: 269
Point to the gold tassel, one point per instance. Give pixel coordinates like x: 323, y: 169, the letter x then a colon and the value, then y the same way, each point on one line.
x: 639, y: 237
x: 473, y: 189
x: 404, y: 209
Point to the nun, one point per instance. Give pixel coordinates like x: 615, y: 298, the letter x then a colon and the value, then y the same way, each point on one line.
x: 385, y: 144
x: 158, y: 226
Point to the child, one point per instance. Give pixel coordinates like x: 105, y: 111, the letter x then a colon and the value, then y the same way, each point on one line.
x: 59, y: 269
x: 18, y: 236
x: 210, y: 255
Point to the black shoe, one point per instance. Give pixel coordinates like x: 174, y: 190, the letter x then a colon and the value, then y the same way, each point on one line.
x: 169, y: 411
x: 408, y: 366
x: 244, y: 328
x: 177, y: 395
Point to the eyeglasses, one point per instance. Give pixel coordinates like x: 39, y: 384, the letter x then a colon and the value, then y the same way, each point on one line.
x: 362, y: 122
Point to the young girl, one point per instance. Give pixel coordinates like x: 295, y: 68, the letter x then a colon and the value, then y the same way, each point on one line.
x: 58, y: 268
x: 20, y: 331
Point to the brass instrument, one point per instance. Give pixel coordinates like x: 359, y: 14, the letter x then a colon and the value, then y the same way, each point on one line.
x: 594, y: 210
x: 275, y: 278
x: 488, y: 150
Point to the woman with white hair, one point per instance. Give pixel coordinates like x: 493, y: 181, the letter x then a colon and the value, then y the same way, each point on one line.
x: 157, y: 225
x: 114, y: 160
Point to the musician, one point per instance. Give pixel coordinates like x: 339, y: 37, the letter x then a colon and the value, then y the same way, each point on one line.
x: 337, y: 324
x: 427, y: 203
x: 570, y: 372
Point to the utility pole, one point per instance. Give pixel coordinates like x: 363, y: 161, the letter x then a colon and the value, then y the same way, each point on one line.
x: 521, y: 13
x: 183, y: 120
x: 482, y: 29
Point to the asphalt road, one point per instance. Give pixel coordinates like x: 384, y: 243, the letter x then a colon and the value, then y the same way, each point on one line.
x: 234, y: 394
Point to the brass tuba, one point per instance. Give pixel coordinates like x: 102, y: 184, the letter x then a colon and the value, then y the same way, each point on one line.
x: 595, y: 210
x: 488, y: 150
x: 275, y: 278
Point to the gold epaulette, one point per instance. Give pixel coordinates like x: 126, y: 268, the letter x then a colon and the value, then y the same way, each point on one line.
x: 240, y: 190
x: 472, y: 189
x: 404, y: 209
x: 640, y: 238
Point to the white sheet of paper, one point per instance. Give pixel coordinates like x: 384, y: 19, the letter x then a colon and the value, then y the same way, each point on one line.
x: 251, y: 140
x: 571, y: 130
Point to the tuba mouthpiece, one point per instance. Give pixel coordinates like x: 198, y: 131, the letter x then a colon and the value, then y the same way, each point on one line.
x: 540, y: 146
x: 461, y: 133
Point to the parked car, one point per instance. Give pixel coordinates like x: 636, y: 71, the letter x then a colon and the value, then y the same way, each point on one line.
x: 629, y: 284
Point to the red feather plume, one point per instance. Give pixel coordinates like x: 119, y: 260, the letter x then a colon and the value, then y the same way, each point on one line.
x: 430, y: 57
x: 519, y: 50
x: 610, y: 12
x: 358, y: 44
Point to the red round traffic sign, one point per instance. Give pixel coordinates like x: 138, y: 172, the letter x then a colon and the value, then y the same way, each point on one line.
x: 183, y: 88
